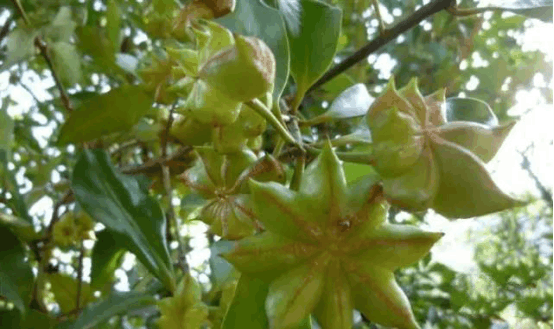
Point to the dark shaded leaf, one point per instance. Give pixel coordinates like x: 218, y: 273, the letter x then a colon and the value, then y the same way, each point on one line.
x: 107, y: 255
x: 469, y: 109
x: 132, y: 216
x: 15, y: 273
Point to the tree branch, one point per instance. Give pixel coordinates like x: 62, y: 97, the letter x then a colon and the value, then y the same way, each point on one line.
x: 43, y: 48
x: 390, y: 34
x: 526, y: 165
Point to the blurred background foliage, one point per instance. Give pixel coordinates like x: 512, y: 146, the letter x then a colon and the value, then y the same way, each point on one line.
x: 485, y: 56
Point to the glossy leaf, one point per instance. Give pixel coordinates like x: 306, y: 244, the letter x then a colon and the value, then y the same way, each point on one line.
x: 125, y: 208
x: 15, y: 272
x: 254, y: 18
x: 312, y: 56
x: 351, y: 103
x: 107, y: 255
x: 116, y: 303
x: 114, y: 111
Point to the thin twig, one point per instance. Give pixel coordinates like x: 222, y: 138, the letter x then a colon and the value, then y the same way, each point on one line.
x: 172, y: 219
x: 382, y: 27
x: 43, y: 48
x: 80, y: 275
x: 405, y: 25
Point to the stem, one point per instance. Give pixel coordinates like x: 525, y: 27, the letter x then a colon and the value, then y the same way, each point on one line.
x: 172, y: 220
x: 262, y: 110
x: 405, y: 25
x: 41, y: 45
x: 80, y: 275
x: 382, y: 27
x: 298, y: 173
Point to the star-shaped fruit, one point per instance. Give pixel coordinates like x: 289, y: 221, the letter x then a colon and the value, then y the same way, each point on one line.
x: 427, y: 161
x: 185, y: 309
x: 222, y: 181
x: 328, y: 250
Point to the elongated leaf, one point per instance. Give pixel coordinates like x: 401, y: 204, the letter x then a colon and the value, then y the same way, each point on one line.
x: 131, y: 215
x: 314, y: 45
x: 541, y: 9
x: 113, y: 23
x: 107, y: 255
x: 351, y: 103
x: 15, y: 273
x: 116, y: 303
x: 469, y: 109
x: 66, y: 61
x: 254, y: 18
x: 115, y: 111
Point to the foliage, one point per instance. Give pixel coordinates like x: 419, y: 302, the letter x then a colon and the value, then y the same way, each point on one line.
x: 158, y: 129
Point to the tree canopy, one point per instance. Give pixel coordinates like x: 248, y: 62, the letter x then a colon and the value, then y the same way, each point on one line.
x: 271, y: 164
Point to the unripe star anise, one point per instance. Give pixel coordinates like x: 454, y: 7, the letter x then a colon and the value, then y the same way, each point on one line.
x: 185, y: 308
x: 328, y: 250
x: 222, y: 181
x: 427, y: 162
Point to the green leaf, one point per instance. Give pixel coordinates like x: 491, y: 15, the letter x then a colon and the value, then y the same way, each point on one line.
x: 310, y: 55
x: 541, y: 9
x: 469, y: 109
x: 247, y: 309
x: 107, y: 255
x: 20, y: 45
x: 23, y: 229
x: 254, y: 18
x: 117, y: 110
x: 66, y: 61
x: 113, y: 23
x: 64, y: 288
x: 33, y: 319
x: 126, y: 209
x: 62, y: 27
x: 351, y: 103
x: 16, y: 276
x: 6, y: 129
x: 116, y: 303
x: 222, y: 271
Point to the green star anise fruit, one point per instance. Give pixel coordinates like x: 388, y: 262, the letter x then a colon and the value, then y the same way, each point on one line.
x: 328, y: 250
x: 427, y: 162
x: 222, y: 180
x: 185, y: 309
